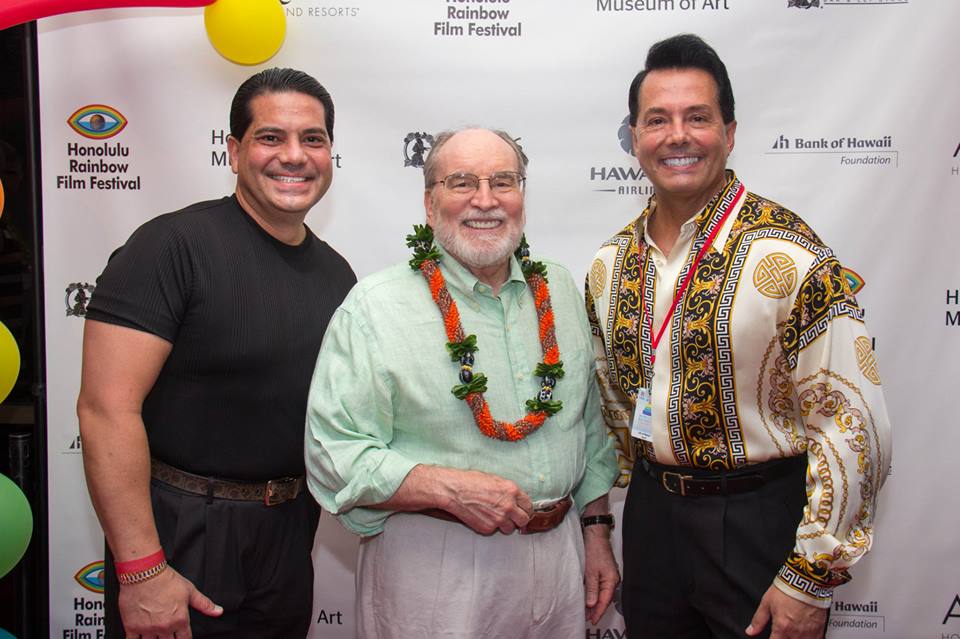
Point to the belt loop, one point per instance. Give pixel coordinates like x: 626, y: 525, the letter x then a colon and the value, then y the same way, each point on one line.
x: 723, y: 483
x: 210, y: 488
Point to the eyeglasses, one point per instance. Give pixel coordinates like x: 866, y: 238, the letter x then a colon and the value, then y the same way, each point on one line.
x: 467, y: 183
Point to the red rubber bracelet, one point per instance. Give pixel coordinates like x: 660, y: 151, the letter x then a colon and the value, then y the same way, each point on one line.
x: 141, y: 564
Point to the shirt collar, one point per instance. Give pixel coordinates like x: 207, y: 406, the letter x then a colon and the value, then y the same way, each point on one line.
x: 700, y: 220
x: 459, y: 277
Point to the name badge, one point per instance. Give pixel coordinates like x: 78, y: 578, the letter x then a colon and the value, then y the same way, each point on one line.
x: 642, y: 427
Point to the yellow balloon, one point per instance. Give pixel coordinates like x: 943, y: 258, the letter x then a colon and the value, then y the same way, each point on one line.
x: 9, y: 361
x: 245, y: 31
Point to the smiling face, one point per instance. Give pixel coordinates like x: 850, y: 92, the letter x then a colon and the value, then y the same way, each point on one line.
x: 282, y: 163
x: 680, y: 139
x: 481, y: 229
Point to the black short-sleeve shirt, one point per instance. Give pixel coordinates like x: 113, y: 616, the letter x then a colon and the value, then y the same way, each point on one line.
x: 245, y: 314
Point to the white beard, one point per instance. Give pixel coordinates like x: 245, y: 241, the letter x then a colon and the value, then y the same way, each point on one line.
x: 478, y: 255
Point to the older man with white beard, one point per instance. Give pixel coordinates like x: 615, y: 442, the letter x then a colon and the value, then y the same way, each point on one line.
x: 467, y: 524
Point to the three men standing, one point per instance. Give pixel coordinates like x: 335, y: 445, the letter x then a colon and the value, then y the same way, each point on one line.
x: 735, y: 374
x: 737, y: 377
x: 198, y: 347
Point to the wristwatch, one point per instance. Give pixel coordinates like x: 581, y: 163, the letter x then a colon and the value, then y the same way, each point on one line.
x: 593, y: 520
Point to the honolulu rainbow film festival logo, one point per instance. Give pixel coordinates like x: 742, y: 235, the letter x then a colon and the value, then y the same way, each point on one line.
x: 97, y: 121
x: 91, y: 577
x: 854, y: 280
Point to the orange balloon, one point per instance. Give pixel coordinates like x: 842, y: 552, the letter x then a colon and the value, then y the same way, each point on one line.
x: 1, y: 197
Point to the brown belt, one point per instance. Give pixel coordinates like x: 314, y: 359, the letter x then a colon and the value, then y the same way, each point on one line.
x: 271, y: 493
x: 540, y: 521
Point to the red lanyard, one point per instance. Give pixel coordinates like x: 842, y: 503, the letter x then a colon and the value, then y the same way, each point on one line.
x: 655, y: 339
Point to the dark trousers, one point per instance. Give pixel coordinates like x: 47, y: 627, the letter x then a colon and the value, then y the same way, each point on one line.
x: 252, y: 559
x: 697, y: 567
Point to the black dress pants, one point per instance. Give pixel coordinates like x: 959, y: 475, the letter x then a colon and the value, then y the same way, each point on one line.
x: 697, y: 567
x: 252, y: 559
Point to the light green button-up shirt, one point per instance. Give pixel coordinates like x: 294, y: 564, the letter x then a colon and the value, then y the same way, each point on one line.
x: 380, y: 400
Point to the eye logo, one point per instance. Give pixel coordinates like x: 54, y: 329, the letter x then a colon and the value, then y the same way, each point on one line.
x: 854, y: 281
x: 97, y: 121
x: 91, y: 577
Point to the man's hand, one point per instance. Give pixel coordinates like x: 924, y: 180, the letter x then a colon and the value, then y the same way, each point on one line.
x: 601, y: 574
x: 486, y: 503
x: 159, y: 607
x: 792, y: 619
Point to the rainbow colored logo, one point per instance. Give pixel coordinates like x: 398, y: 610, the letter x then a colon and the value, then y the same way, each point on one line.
x: 91, y: 577
x: 97, y: 121
x: 854, y: 281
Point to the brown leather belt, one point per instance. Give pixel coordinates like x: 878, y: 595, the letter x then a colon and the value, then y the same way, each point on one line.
x: 271, y: 493
x: 688, y: 482
x: 542, y: 520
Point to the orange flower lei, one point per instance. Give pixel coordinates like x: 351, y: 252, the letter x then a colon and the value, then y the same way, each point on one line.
x: 462, y: 347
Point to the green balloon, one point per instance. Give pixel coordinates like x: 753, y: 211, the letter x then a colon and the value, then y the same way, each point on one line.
x: 16, y: 524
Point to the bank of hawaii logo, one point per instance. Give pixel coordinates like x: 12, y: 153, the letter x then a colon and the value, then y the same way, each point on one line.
x: 91, y: 577
x: 97, y: 121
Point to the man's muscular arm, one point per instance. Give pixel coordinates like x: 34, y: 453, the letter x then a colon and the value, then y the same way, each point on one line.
x: 484, y: 502
x: 120, y: 366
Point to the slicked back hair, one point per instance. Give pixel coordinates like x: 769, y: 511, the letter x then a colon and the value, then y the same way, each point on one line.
x: 276, y: 80
x: 685, y: 51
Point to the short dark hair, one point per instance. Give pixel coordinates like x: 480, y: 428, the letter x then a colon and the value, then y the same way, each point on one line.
x: 430, y: 164
x: 276, y: 80
x: 685, y: 51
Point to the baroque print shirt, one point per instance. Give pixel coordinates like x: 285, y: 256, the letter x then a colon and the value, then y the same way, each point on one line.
x: 765, y: 357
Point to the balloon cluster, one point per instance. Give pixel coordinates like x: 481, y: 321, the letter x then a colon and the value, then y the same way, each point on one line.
x: 16, y: 518
x: 242, y: 31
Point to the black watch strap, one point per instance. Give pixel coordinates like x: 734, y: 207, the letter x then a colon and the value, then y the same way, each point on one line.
x: 593, y: 520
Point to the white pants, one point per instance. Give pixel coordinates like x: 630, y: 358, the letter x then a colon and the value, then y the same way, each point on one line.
x: 425, y: 577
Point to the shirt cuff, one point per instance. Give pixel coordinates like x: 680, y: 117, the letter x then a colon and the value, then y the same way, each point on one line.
x: 809, y: 582
x: 383, y: 482
x: 596, y: 483
x: 790, y: 591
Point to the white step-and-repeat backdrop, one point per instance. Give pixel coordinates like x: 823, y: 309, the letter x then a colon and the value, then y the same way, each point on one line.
x: 848, y: 111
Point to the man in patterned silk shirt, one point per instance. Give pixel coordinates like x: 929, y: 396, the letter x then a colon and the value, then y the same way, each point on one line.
x: 738, y: 379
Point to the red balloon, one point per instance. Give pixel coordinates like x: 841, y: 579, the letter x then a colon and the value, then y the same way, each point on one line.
x: 16, y: 11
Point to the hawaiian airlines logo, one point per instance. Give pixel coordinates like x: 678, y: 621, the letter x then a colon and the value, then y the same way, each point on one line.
x: 91, y: 577
x: 625, y: 133
x: 97, y: 121
x: 625, y: 177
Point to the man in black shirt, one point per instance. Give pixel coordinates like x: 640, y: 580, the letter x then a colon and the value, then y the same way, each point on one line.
x: 198, y: 348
